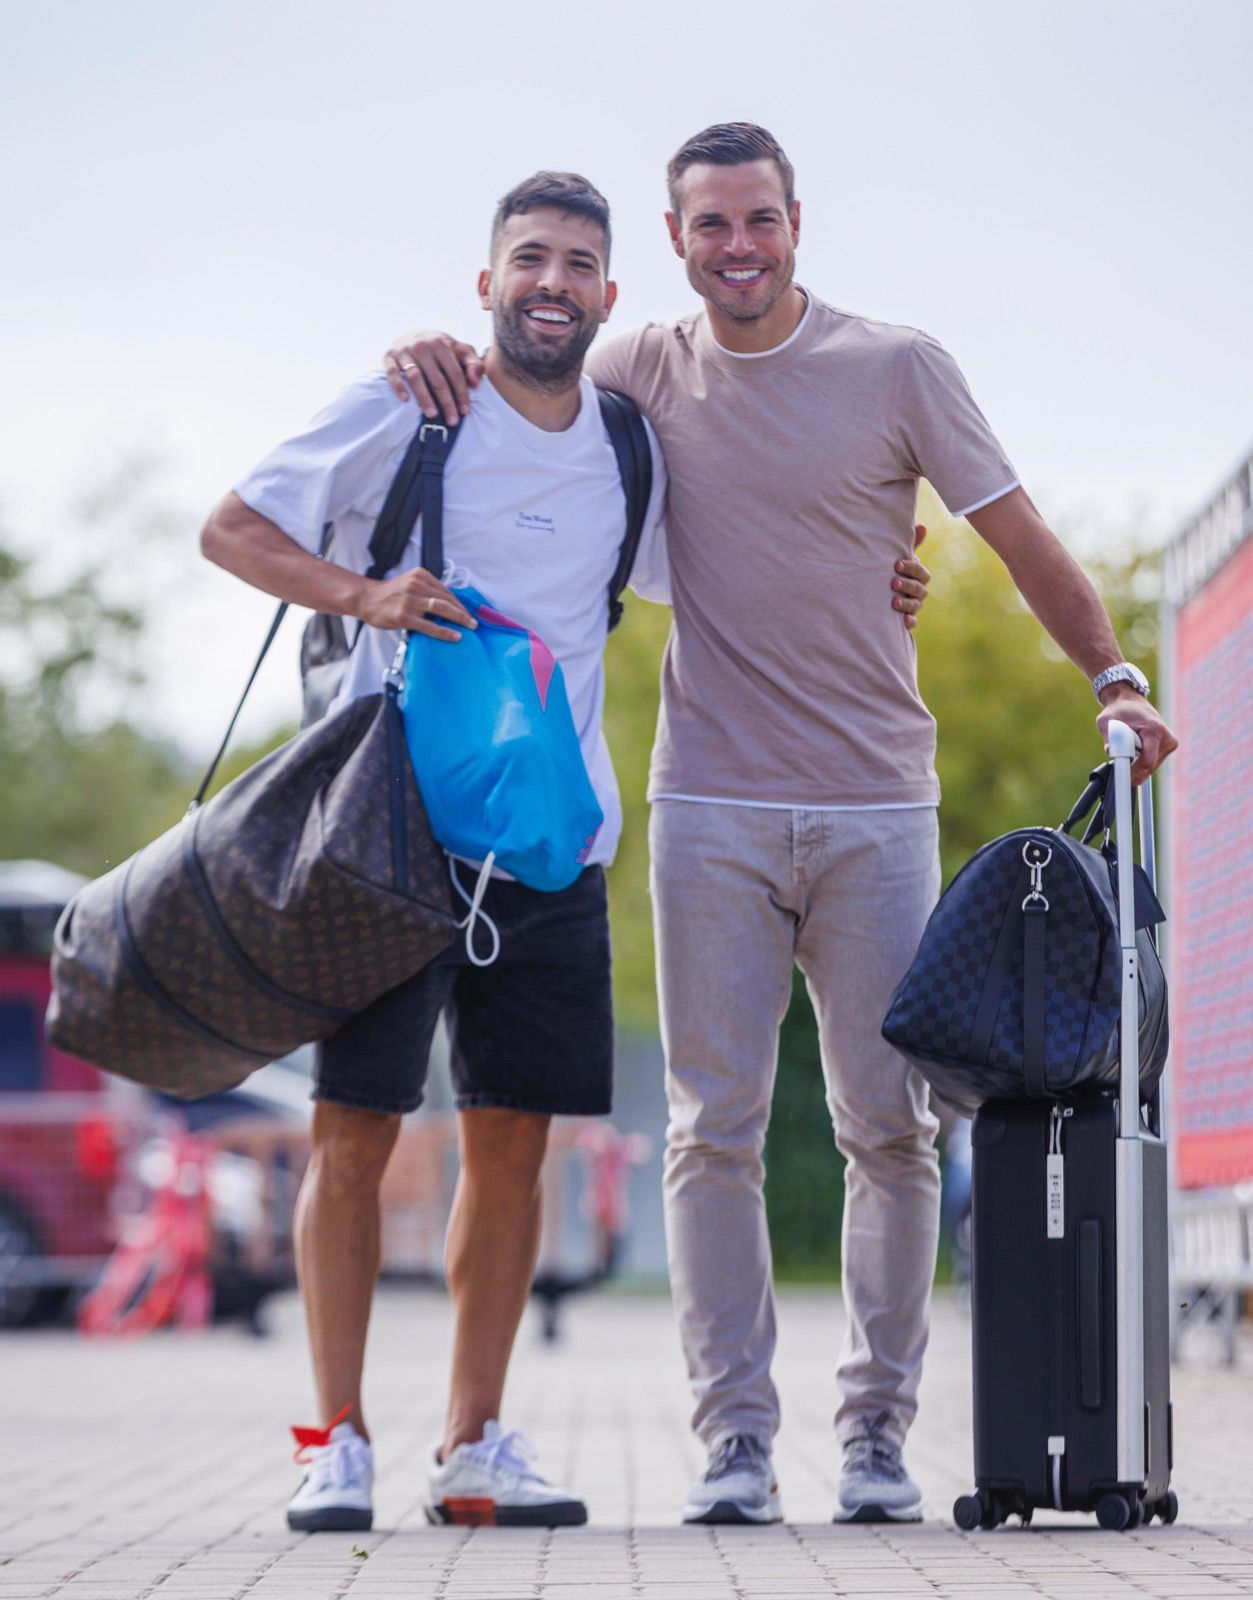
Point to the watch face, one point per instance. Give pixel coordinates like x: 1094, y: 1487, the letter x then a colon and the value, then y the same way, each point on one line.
x: 1132, y: 675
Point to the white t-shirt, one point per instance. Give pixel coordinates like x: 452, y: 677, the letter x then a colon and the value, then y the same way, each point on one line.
x: 533, y: 520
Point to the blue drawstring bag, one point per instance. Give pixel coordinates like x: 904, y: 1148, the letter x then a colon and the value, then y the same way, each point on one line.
x: 494, y: 748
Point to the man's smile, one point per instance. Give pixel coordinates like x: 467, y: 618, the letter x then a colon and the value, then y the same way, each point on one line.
x: 550, y: 316
x: 545, y: 329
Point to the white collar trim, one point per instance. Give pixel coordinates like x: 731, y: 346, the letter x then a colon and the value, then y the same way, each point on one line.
x: 776, y: 349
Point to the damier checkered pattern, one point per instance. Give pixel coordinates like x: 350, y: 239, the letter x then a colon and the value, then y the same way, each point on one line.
x: 933, y: 1011
x: 1082, y: 982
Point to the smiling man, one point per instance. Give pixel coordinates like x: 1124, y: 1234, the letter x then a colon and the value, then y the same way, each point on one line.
x: 793, y: 785
x: 794, y: 791
x: 534, y: 517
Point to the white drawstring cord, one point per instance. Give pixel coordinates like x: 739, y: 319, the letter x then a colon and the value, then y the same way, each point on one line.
x: 453, y: 576
x: 476, y: 912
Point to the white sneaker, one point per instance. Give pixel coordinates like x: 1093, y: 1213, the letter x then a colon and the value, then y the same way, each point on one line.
x: 874, y: 1485
x: 493, y: 1482
x: 739, y: 1485
x: 335, y: 1494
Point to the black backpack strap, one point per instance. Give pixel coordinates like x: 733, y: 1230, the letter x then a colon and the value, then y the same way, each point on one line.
x: 629, y: 438
x: 416, y: 490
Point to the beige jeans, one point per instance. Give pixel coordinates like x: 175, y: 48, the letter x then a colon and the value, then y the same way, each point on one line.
x: 739, y: 894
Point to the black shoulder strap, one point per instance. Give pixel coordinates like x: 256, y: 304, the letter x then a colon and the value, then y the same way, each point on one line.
x: 252, y: 678
x: 629, y: 438
x: 417, y: 489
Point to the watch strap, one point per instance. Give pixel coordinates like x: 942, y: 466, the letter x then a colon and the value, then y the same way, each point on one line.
x: 1123, y: 672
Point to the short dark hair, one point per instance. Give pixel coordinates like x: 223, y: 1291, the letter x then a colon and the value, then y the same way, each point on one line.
x: 563, y: 191
x: 729, y: 144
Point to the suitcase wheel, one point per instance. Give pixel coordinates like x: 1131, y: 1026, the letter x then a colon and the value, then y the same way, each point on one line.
x: 984, y: 1510
x: 1116, y: 1512
x: 968, y: 1512
x: 1167, y: 1508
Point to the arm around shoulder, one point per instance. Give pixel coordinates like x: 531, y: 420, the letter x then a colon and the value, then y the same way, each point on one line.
x: 621, y: 362
x: 436, y: 370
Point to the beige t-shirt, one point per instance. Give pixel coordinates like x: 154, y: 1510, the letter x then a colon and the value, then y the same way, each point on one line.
x: 788, y: 678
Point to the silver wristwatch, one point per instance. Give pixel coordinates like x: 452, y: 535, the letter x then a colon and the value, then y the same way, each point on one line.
x: 1124, y: 672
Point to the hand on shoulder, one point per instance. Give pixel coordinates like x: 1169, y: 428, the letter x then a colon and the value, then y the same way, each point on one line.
x: 435, y: 370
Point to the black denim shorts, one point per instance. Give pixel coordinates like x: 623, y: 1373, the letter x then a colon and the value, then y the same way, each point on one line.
x: 531, y: 1032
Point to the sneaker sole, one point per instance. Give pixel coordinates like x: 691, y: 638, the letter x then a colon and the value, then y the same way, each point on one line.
x: 729, y: 1513
x: 331, y: 1519
x: 877, y: 1513
x: 474, y: 1512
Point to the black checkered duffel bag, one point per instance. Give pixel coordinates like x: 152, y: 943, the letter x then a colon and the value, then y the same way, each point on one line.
x: 1016, y: 987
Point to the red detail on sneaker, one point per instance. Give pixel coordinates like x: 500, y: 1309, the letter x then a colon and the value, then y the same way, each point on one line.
x: 470, y: 1511
x: 315, y: 1438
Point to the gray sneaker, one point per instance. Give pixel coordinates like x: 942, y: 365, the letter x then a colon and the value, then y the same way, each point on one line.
x: 874, y: 1486
x: 738, y: 1486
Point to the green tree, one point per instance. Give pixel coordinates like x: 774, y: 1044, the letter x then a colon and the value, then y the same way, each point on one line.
x: 633, y: 663
x: 84, y: 783
x: 1017, y: 734
x: 79, y: 792
x: 804, y: 1171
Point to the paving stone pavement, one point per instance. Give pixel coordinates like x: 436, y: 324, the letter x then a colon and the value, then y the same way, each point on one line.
x: 161, y: 1468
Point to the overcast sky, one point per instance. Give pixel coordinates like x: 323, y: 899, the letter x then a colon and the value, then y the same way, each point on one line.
x: 215, y: 215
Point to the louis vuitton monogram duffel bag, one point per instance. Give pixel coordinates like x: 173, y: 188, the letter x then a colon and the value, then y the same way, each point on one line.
x: 264, y: 919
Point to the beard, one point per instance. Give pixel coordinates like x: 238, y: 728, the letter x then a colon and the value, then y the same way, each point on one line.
x: 553, y: 367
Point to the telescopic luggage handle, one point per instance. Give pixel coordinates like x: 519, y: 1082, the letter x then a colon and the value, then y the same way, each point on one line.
x: 1135, y: 1143
x: 1123, y: 745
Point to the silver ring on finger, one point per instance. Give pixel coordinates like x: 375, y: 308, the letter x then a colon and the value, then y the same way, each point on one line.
x: 408, y: 366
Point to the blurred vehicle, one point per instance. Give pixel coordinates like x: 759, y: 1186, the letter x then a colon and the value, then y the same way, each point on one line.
x: 68, y: 1137
x: 159, y: 1272
x: 83, y: 1155
x: 259, y: 1135
x: 166, y: 1210
x: 264, y: 1125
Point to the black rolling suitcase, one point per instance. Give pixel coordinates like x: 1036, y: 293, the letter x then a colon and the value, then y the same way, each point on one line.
x: 1069, y: 1293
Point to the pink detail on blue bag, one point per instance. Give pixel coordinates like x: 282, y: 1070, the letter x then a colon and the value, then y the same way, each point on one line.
x: 543, y: 661
x: 495, y: 750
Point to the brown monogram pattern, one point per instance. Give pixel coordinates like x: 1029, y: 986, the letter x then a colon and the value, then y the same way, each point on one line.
x: 297, y: 853
x: 99, y: 1013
